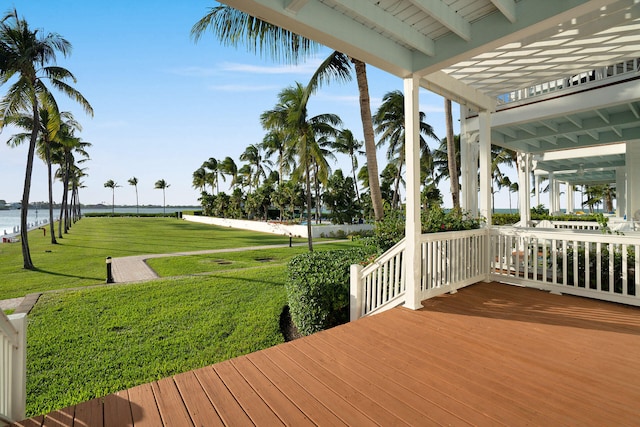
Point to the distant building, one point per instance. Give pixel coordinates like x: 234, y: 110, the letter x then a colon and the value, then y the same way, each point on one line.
x: 3, y: 205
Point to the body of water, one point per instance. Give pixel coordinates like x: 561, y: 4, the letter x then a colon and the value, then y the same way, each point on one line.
x: 10, y: 219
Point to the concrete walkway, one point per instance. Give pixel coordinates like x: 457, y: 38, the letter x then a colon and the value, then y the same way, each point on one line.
x: 135, y: 268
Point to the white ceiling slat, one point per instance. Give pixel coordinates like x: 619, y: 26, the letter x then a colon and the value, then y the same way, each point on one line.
x: 617, y: 131
x: 593, y: 134
x: 392, y: 25
x: 294, y: 6
x: 576, y: 122
x: 507, y: 8
x: 446, y: 16
x: 552, y: 126
x: 529, y: 129
x: 603, y: 115
x: 457, y: 91
x: 634, y: 110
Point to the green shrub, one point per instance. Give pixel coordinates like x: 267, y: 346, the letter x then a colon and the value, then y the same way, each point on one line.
x: 318, y: 288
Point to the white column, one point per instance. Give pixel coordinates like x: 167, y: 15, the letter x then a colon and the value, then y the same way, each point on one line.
x: 621, y: 192
x: 632, y: 161
x: 524, y: 187
x: 485, y: 165
x: 412, y: 225
x: 570, y: 201
x: 537, y: 190
x: 552, y: 193
x: 465, y: 200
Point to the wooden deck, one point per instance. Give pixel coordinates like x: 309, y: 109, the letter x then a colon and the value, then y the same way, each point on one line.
x: 491, y: 354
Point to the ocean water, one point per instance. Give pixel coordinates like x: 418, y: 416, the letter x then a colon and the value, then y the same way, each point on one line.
x: 10, y: 219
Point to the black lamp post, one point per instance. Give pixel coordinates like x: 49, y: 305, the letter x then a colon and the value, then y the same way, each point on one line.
x: 109, y: 271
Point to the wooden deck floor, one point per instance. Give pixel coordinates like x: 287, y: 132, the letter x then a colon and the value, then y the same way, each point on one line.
x: 489, y: 355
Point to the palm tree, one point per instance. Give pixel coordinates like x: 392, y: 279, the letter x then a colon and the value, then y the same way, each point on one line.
x: 259, y: 166
x: 451, y: 156
x: 25, y: 53
x: 161, y: 184
x: 346, y: 143
x: 212, y: 176
x: 199, y: 179
x: 68, y: 145
x: 275, y: 142
x: 112, y: 185
x: 228, y: 166
x: 134, y: 181
x: 291, y: 114
x: 233, y: 27
x: 389, y: 121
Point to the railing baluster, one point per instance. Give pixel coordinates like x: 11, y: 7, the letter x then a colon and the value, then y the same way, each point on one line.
x: 625, y: 285
x: 599, y: 266
x: 611, y: 268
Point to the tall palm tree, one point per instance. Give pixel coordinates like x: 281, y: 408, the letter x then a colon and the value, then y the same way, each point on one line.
x: 161, y: 184
x: 69, y: 145
x: 212, y: 175
x: 291, y: 114
x: 233, y: 27
x: 228, y: 167
x: 112, y: 185
x: 199, y: 179
x: 389, y: 121
x: 275, y: 142
x: 259, y: 165
x: 346, y: 143
x: 451, y: 156
x: 26, y: 54
x: 134, y: 181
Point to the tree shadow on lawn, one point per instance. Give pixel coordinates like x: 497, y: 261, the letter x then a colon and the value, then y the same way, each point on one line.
x: 53, y: 273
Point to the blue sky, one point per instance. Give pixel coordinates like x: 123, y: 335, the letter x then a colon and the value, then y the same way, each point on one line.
x: 164, y: 104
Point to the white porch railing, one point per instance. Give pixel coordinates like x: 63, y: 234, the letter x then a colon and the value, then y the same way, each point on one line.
x: 612, y: 72
x: 569, y: 225
x: 380, y: 285
x: 449, y: 261
x: 13, y: 367
x: 590, y: 264
x: 578, y: 262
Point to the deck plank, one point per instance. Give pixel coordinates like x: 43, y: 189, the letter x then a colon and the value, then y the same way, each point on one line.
x: 195, y: 399
x: 89, y: 414
x: 30, y: 422
x: 117, y: 409
x: 172, y: 409
x: 144, y: 409
x: 224, y: 402
x: 61, y: 417
x: 284, y: 408
x: 488, y: 355
x: 301, y: 396
x: 253, y: 405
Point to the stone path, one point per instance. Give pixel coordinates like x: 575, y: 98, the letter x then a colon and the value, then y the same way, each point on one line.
x: 135, y: 269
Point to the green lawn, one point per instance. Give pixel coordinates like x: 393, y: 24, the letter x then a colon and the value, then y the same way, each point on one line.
x: 79, y: 258
x: 97, y: 340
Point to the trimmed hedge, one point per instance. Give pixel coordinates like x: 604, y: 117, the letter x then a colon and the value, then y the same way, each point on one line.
x: 318, y: 288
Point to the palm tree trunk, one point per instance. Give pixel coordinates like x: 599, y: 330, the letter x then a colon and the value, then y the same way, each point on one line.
x: 355, y: 179
x: 52, y: 231
x: 396, y: 191
x: 24, y: 240
x: 451, y: 156
x: 369, y: 139
x: 308, y: 179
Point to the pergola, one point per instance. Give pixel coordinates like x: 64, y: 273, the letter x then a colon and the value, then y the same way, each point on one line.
x: 491, y: 57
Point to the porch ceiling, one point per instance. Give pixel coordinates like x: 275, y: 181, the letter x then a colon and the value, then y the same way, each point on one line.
x: 596, y: 165
x: 488, y: 47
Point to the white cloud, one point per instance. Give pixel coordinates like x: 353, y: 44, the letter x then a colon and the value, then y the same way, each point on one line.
x: 308, y: 67
x: 195, y: 71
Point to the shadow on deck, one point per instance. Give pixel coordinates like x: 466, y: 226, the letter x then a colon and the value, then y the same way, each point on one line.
x: 491, y: 354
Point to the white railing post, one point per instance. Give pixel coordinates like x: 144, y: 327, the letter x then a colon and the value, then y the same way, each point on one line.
x: 19, y: 368
x: 355, y: 298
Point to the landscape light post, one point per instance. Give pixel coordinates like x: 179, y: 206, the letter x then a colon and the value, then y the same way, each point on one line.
x: 109, y: 272
x: 290, y: 239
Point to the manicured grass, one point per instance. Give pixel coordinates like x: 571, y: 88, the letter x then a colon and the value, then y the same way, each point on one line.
x: 79, y: 258
x: 89, y: 343
x: 208, y: 263
x: 97, y: 340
